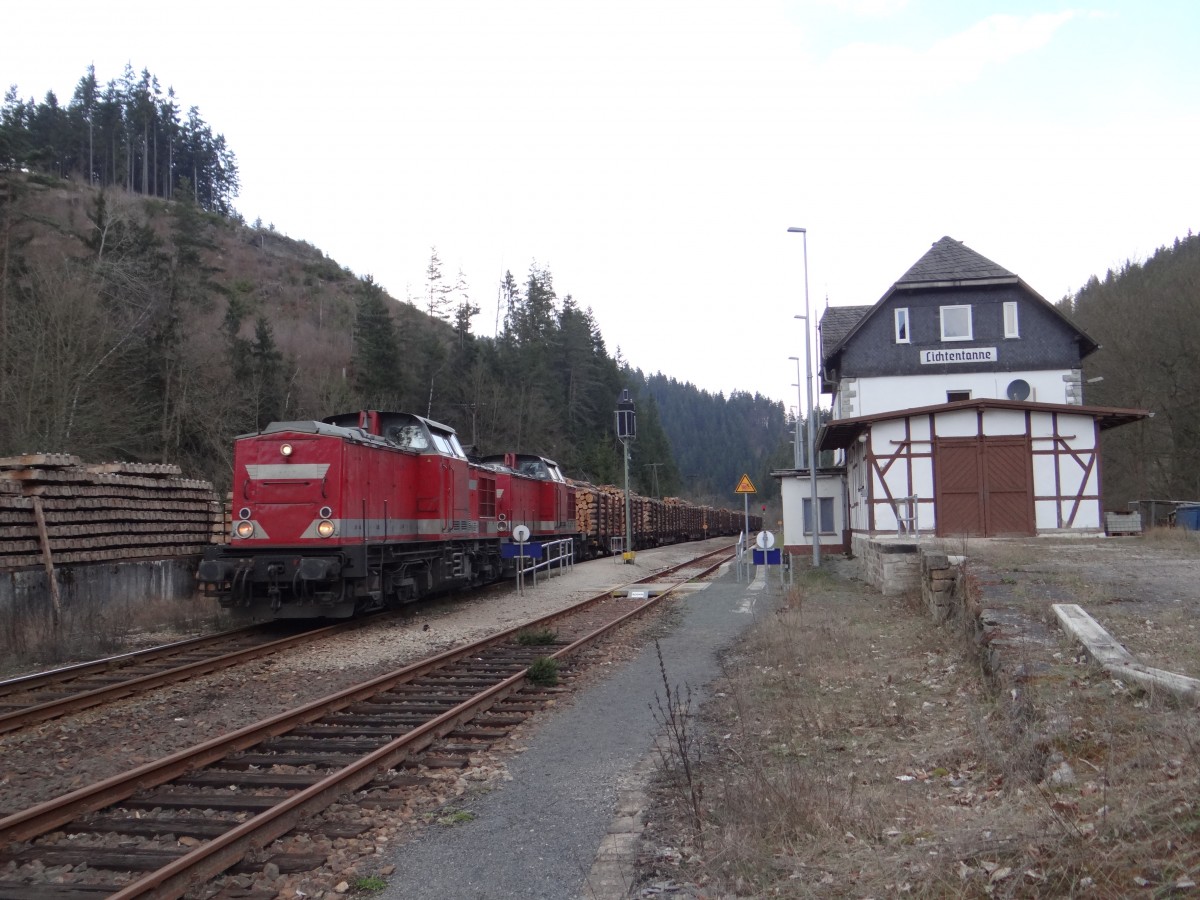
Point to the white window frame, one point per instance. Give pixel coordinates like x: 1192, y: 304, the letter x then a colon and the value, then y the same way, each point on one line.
x: 948, y: 393
x: 970, y: 335
x: 903, y: 326
x: 1012, y: 327
x: 824, y: 505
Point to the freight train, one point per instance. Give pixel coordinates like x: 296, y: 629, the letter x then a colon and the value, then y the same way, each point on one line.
x: 371, y: 510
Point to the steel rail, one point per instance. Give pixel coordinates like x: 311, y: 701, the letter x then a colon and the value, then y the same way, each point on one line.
x: 78, y: 670
x: 214, y: 857
x: 32, y: 715
x: 217, y: 855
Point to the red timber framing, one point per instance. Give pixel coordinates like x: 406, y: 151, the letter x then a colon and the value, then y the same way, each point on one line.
x: 1067, y: 459
x: 879, y: 466
x: 1007, y: 468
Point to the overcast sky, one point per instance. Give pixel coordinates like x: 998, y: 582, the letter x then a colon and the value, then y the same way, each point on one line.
x: 652, y: 154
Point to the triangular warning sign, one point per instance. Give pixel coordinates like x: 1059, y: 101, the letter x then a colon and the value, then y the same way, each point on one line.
x: 745, y: 486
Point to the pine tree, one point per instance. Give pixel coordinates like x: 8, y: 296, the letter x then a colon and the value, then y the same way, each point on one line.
x: 376, y: 360
x: 437, y: 292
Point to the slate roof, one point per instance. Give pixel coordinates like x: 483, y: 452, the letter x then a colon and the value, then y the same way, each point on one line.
x: 951, y: 260
x: 837, y: 322
x: 947, y: 262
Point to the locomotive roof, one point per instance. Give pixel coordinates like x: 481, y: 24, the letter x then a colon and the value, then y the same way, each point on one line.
x: 392, y: 416
x: 499, y: 458
x: 307, y: 427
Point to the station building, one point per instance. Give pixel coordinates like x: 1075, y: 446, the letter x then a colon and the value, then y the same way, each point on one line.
x: 957, y: 411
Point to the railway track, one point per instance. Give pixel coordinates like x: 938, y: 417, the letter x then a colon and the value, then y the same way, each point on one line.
x: 31, y: 699
x: 164, y: 828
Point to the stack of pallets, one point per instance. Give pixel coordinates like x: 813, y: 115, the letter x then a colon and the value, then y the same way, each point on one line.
x: 55, y: 508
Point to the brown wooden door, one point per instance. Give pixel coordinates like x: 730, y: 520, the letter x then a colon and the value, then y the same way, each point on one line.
x: 958, y: 487
x: 1007, y: 486
x: 983, y: 486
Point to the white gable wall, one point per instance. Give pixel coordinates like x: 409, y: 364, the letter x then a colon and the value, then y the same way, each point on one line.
x: 870, y: 396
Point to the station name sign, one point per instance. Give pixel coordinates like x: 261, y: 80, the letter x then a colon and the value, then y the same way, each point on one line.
x: 963, y: 355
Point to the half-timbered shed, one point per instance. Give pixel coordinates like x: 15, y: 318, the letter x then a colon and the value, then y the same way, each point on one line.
x: 957, y: 406
x: 983, y: 467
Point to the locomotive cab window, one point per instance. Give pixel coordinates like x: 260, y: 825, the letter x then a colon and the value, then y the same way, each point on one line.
x: 448, y: 445
x: 534, y: 468
x: 408, y: 437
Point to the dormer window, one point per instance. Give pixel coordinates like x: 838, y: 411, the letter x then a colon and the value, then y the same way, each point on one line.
x: 956, y: 323
x: 1011, y: 328
x: 903, y: 336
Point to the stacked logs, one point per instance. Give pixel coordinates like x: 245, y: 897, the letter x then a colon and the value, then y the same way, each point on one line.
x: 685, y: 518
x: 600, y: 517
x: 56, y: 509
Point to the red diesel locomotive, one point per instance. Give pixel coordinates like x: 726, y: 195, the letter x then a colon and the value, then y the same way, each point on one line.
x: 370, y: 510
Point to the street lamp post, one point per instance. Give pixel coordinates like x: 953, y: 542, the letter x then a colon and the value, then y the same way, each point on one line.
x: 812, y: 418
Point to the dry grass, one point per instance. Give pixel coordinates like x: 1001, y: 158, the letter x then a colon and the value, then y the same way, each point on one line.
x: 856, y: 750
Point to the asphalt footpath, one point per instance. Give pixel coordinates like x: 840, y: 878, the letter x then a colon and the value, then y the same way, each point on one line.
x: 566, y: 825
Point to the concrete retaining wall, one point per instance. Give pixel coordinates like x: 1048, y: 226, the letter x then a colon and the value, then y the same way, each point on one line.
x: 27, y: 590
x: 97, y: 603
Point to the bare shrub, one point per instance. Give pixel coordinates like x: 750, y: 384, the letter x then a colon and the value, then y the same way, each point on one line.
x: 679, y: 753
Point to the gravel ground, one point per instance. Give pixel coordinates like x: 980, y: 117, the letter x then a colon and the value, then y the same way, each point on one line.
x: 536, y: 835
x: 59, y: 756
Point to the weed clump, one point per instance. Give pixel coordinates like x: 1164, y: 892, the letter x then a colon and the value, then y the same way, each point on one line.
x: 455, y: 817
x: 536, y: 637
x: 543, y: 671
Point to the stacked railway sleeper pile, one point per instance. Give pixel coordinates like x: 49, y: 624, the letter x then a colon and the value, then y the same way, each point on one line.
x: 56, y: 508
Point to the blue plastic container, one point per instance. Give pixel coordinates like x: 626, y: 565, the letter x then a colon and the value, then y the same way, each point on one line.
x: 1188, y: 517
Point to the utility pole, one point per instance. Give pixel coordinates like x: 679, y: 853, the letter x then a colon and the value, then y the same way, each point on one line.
x: 653, y: 467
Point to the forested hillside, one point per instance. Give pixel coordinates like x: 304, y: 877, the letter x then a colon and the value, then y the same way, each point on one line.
x: 127, y: 134
x: 717, y: 440
x: 1146, y: 318
x: 137, y: 328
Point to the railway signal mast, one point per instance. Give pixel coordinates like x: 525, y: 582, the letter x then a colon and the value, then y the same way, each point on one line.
x: 627, y: 433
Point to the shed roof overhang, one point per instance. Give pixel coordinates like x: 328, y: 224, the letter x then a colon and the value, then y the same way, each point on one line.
x: 841, y: 433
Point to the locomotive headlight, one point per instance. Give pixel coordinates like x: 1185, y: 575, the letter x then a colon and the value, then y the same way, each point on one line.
x: 325, y: 528
x: 243, y: 529
x: 285, y: 449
